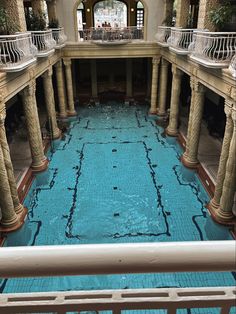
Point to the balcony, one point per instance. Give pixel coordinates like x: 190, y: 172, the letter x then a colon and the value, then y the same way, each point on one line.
x: 162, y: 35
x: 213, y: 49
x: 44, y: 42
x: 16, y: 52
x: 180, y: 39
x: 59, y: 37
x: 232, y: 66
x: 112, y: 36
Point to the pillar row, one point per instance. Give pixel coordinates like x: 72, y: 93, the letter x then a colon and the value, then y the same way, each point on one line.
x: 155, y: 64
x: 61, y: 90
x: 172, y: 128
x: 163, y: 87
x: 19, y: 209
x: 39, y: 161
x: 194, y: 127
x: 50, y: 103
x: 71, y: 105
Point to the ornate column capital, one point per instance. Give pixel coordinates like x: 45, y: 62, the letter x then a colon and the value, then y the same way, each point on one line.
x: 58, y: 64
x: 67, y: 62
x: 196, y: 85
x: 228, y: 110
x: 2, y: 116
x: 47, y: 73
x: 164, y: 62
x: 176, y: 71
x: 156, y: 60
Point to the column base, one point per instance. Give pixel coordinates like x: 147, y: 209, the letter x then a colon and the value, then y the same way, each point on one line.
x: 221, y: 217
x: 19, y: 223
x: 19, y: 209
x: 152, y: 112
x: 40, y: 168
x: 63, y: 116
x: 213, y: 206
x: 171, y: 133
x: 161, y: 114
x: 189, y: 164
x: 71, y: 113
x: 57, y: 135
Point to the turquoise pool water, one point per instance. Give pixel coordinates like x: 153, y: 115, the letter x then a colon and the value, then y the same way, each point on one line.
x: 115, y: 179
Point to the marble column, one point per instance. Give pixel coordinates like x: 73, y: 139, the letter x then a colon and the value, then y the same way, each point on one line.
x: 19, y: 209
x: 172, y: 128
x: 182, y: 13
x: 50, y: 103
x: 194, y: 129
x: 39, y: 161
x: 161, y: 111
x: 94, y: 85
x: 51, y: 7
x: 71, y: 105
x: 155, y: 64
x: 38, y: 6
x: 15, y: 12
x: 205, y: 6
x: 129, y: 79
x: 61, y: 90
x: 215, y: 202
x: 9, y: 219
x: 225, y: 213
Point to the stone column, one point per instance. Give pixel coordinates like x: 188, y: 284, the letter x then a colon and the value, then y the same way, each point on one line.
x: 94, y: 85
x: 15, y: 12
x: 163, y: 88
x: 61, y: 90
x: 52, y: 13
x: 168, y: 9
x: 9, y: 219
x: 39, y: 161
x: 182, y: 13
x: 8, y: 165
x: 38, y: 6
x: 225, y: 213
x: 129, y: 79
x: 203, y: 16
x: 155, y: 64
x: 190, y: 156
x: 172, y: 128
x: 50, y: 103
x: 71, y: 105
x: 215, y: 202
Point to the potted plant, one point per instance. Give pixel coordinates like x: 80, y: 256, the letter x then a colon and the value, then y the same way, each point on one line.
x: 222, y: 17
x: 54, y: 23
x: 7, y: 27
x: 36, y: 22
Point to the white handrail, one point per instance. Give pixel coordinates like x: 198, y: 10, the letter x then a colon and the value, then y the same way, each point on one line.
x: 180, y: 38
x: 59, y: 36
x: 163, y: 34
x: 117, y: 258
x: 44, y: 41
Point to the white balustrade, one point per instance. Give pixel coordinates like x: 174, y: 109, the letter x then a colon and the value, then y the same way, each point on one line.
x: 232, y: 66
x: 213, y: 49
x: 180, y: 39
x: 44, y: 42
x: 113, y: 259
x: 108, y: 35
x: 16, y: 52
x: 59, y: 37
x: 162, y: 35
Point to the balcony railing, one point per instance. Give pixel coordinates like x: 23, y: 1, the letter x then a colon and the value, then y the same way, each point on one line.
x: 162, y: 35
x: 118, y: 259
x: 213, y: 49
x: 180, y: 39
x: 59, y: 37
x: 107, y: 35
x: 232, y: 66
x: 16, y: 52
x: 44, y: 41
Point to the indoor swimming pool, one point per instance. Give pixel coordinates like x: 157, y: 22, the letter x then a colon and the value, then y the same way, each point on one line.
x: 115, y: 178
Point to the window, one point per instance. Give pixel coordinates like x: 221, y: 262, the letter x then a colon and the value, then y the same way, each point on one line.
x: 110, y: 12
x: 140, y: 15
x: 80, y: 17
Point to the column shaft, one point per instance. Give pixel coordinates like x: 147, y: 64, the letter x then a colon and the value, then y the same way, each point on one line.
x: 190, y: 156
x: 50, y: 104
x: 172, y: 128
x: 9, y: 217
x: 8, y: 165
x: 51, y: 6
x: 61, y: 90
x: 205, y: 7
x: 155, y: 63
x: 182, y: 13
x: 39, y: 161
x: 71, y: 105
x: 163, y: 87
x: 215, y: 202
x: 229, y: 187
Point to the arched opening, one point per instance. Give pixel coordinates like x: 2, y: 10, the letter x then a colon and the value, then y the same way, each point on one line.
x: 140, y: 14
x: 81, y: 19
x: 111, y: 13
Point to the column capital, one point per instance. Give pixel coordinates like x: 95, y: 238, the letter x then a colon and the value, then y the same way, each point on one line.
x: 196, y: 85
x: 29, y: 90
x: 176, y: 71
x: 67, y: 62
x: 228, y: 110
x: 164, y: 62
x: 2, y: 116
x: 156, y: 60
x: 47, y: 73
x: 2, y: 96
x: 58, y: 64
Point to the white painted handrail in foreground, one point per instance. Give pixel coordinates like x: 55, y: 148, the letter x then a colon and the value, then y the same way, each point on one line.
x: 117, y: 258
